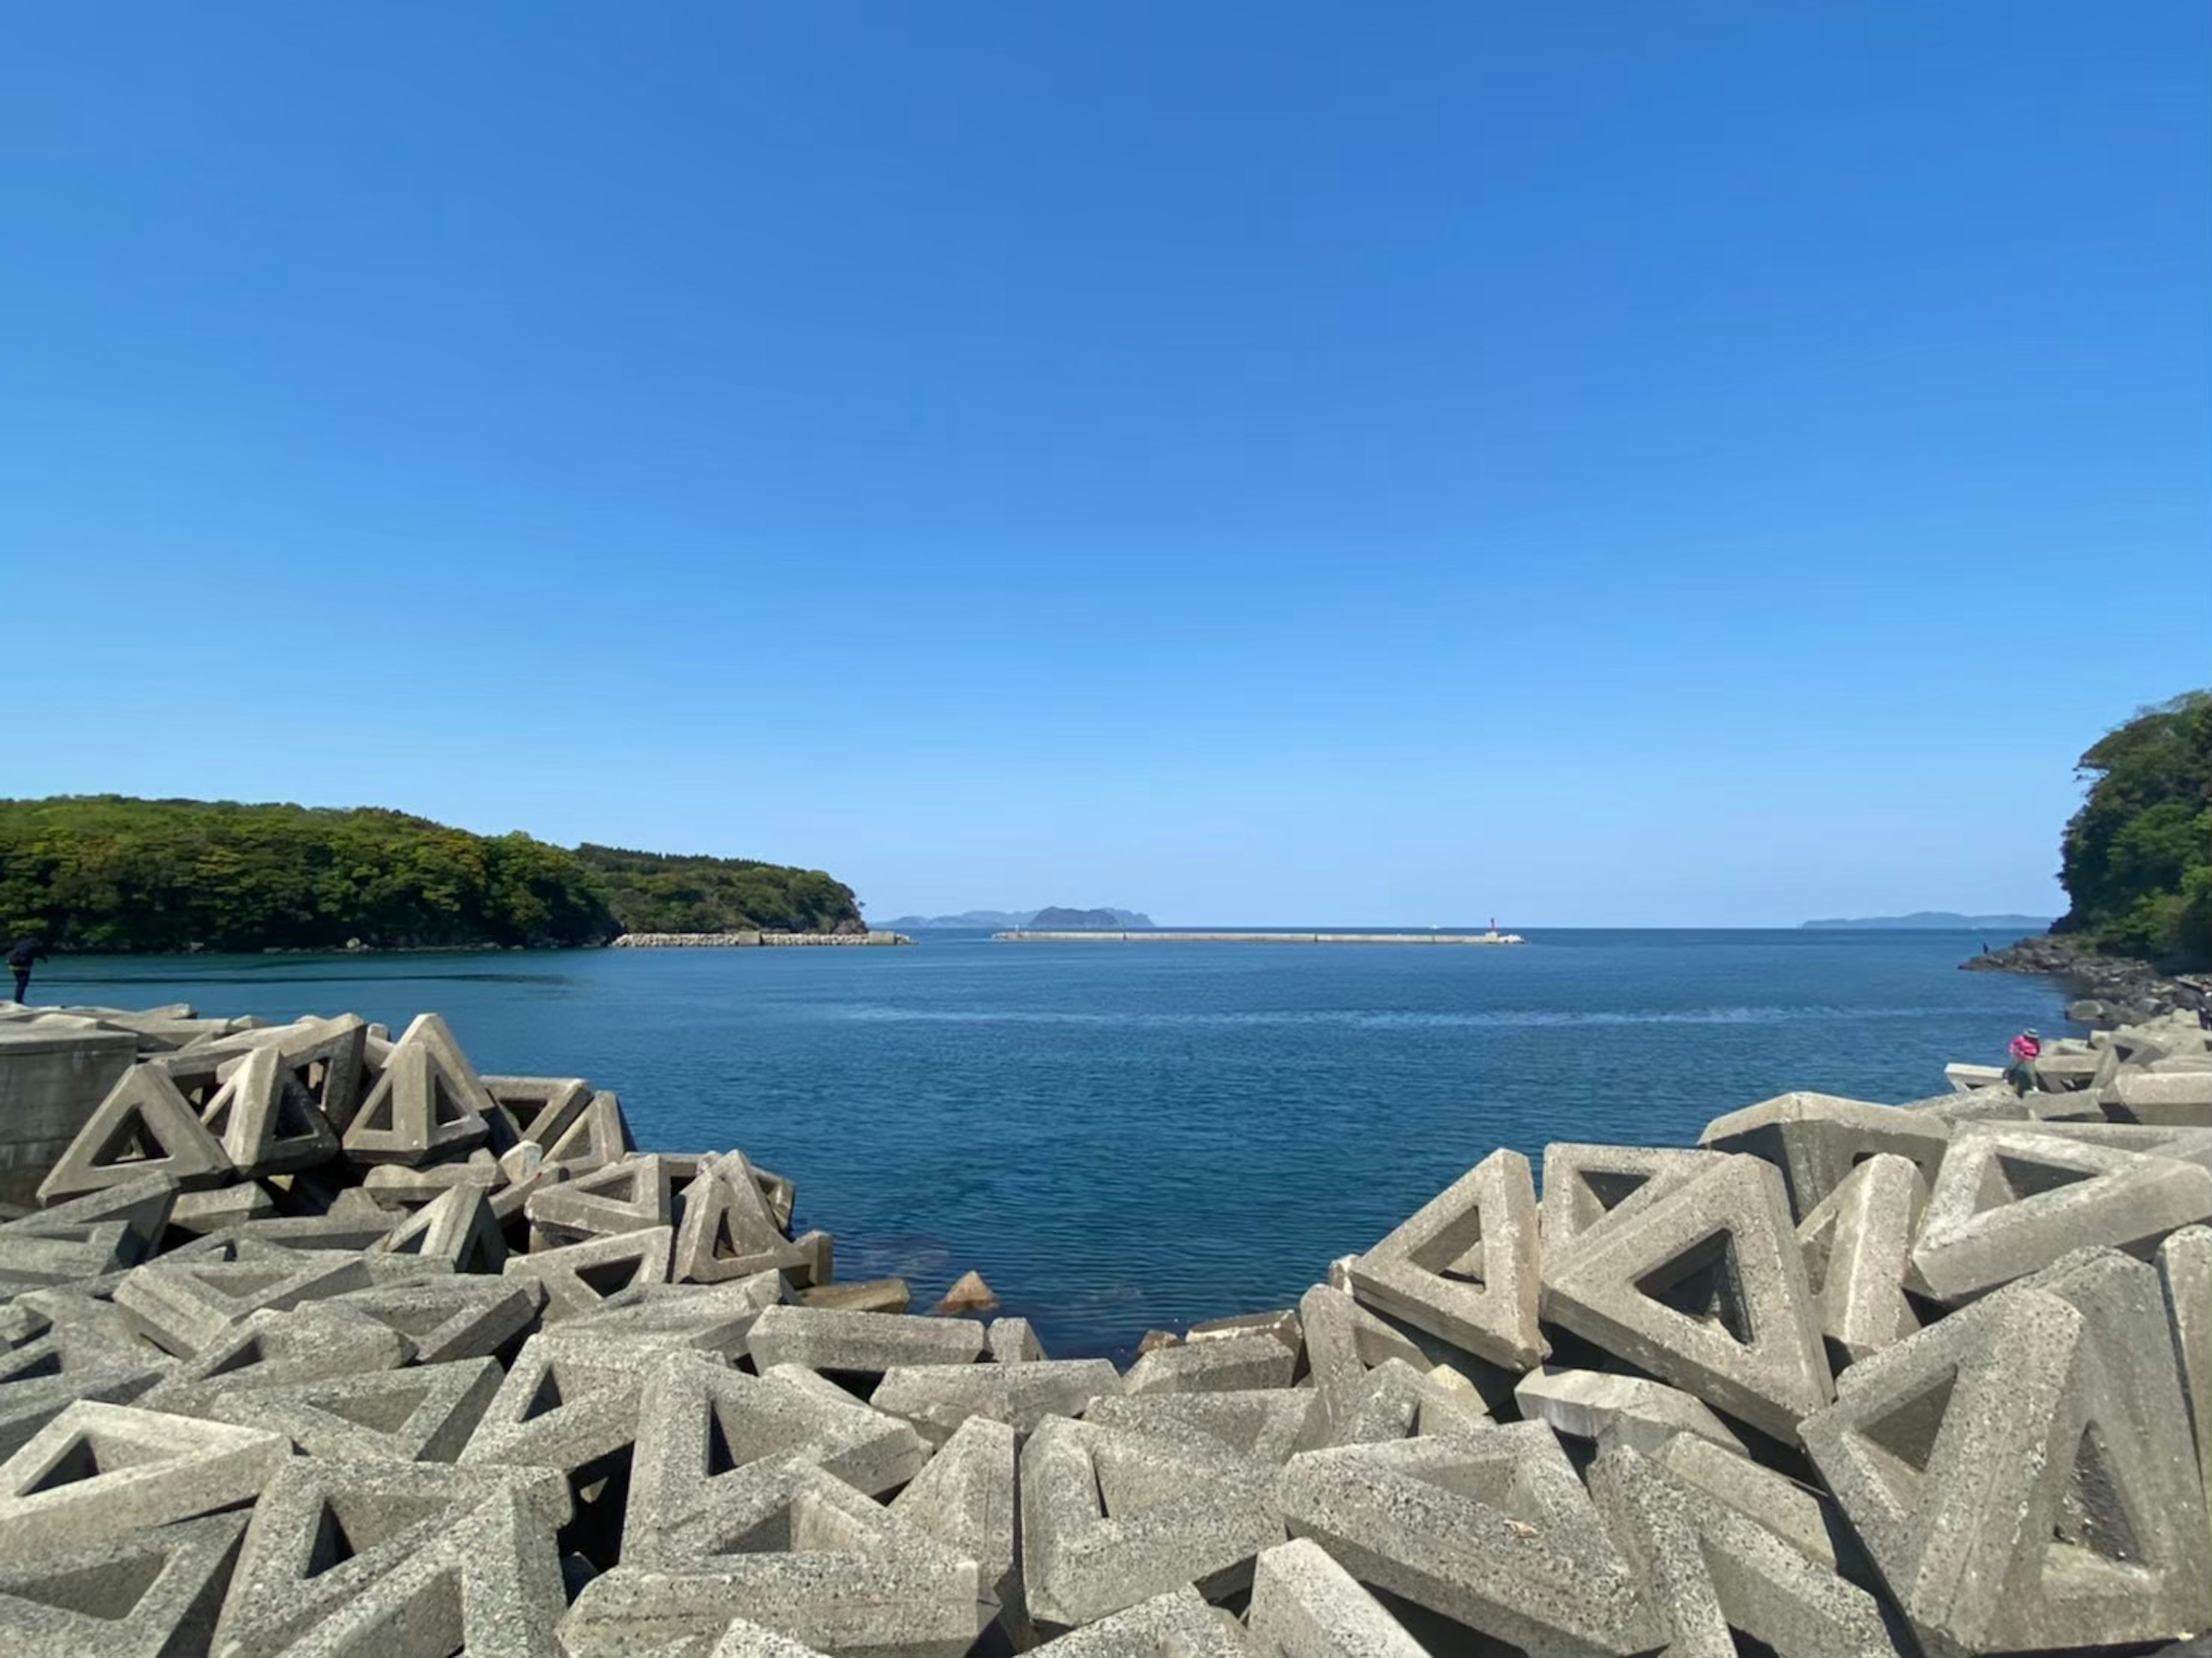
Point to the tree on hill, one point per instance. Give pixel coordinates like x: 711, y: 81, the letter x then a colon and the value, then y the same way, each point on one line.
x: 2138, y: 857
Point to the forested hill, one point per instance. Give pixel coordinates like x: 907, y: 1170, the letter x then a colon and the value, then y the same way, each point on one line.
x: 2138, y: 857
x: 109, y: 872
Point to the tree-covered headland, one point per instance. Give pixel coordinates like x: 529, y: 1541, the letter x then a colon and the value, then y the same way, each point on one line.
x: 2138, y: 857
x: 107, y: 873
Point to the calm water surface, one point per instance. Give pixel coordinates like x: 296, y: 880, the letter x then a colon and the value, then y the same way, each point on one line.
x: 1120, y: 1136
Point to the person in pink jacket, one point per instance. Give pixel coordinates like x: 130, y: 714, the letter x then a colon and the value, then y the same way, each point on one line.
x: 2027, y: 1049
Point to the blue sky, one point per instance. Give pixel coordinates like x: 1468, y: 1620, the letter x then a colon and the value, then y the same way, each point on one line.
x: 1610, y: 463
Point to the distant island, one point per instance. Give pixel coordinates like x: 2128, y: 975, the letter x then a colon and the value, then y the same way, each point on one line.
x: 107, y: 872
x: 1932, y: 921
x: 1006, y: 921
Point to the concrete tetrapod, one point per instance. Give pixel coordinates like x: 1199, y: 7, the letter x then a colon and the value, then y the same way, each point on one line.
x: 1858, y: 1248
x: 1997, y: 1470
x: 1816, y: 1139
x: 1705, y: 1289
x: 579, y: 1276
x: 1709, y: 1571
x: 427, y: 1104
x: 864, y: 1344
x: 424, y: 1413
x: 144, y: 1126
x: 1217, y: 1364
x: 938, y: 1398
x: 42, y: 1378
x: 1268, y: 1425
x: 451, y: 1318
x: 1343, y: 1342
x: 1587, y: 1186
x: 1177, y: 1625
x: 1306, y: 1605
x: 187, y: 1307
x: 327, y: 1535
x: 2009, y: 1200
x: 1491, y: 1529
x: 148, y: 1593
x: 1633, y: 1410
x: 1464, y: 1266
x: 266, y: 1119
x: 2185, y: 1270
x: 965, y: 1499
x: 630, y: 1194
x: 1111, y: 1517
x: 98, y: 1470
x: 718, y: 1453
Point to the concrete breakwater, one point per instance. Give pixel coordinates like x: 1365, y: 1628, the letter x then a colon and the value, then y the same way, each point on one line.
x: 1023, y: 935
x: 322, y: 1342
x: 750, y: 940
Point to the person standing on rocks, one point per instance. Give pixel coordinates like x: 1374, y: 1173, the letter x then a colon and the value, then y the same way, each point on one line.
x: 21, y: 955
x: 2027, y: 1049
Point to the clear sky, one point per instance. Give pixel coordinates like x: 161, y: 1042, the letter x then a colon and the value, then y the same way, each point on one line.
x: 1611, y: 462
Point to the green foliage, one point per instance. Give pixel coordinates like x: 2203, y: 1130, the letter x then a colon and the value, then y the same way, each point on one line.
x: 2138, y: 855
x: 650, y: 892
x: 107, y: 872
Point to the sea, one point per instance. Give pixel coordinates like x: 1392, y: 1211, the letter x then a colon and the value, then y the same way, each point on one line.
x: 1129, y: 1135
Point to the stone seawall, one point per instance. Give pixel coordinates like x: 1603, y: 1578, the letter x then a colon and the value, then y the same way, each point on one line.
x: 749, y: 940
x: 326, y: 1343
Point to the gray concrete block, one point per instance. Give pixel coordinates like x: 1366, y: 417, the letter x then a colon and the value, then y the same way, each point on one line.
x: 718, y: 1453
x: 186, y: 1307
x: 964, y: 1498
x: 1801, y: 1517
x: 51, y: 1082
x: 1011, y: 1341
x: 628, y: 1194
x: 1588, y: 1186
x: 66, y: 1255
x: 1998, y: 1472
x: 712, y: 1318
x: 1111, y: 1517
x: 1228, y: 1364
x: 1177, y: 1625
x: 1858, y: 1248
x: 1280, y: 1322
x: 143, y: 1203
x: 874, y: 1295
x: 1705, y: 1289
x: 143, y: 1126
x: 727, y: 1229
x: 347, y: 1544
x: 457, y: 1229
x: 41, y: 1378
x: 540, y: 1108
x: 2185, y: 1270
x: 424, y: 1413
x: 148, y: 1594
x: 2181, y: 1098
x: 938, y: 1398
x: 831, y: 1569
x: 1707, y: 1572
x: 564, y: 1405
x: 266, y: 1349
x: 861, y: 1343
x: 1267, y: 1425
x: 1343, y: 1340
x: 454, y: 1318
x: 1815, y: 1138
x: 1491, y: 1529
x: 427, y: 1101
x: 1635, y: 1411
x: 597, y: 1136
x: 1463, y: 1267
x: 1306, y: 1605
x: 579, y: 1276
x: 203, y: 1213
x: 2011, y: 1200
x: 266, y: 1119
x: 96, y: 1471
x: 401, y: 1187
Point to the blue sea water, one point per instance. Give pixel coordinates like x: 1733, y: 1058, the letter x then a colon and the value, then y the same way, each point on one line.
x: 1124, y: 1136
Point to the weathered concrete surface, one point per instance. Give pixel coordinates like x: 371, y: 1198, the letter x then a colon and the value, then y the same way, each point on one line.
x: 1491, y: 1529
x: 51, y: 1082
x: 1464, y: 1268
x: 864, y: 1344
x: 966, y: 1498
x: 143, y: 1126
x: 152, y: 1593
x: 936, y: 1399
x: 1815, y: 1138
x: 1587, y: 1185
x: 1216, y: 1364
x: 2185, y: 1270
x: 1705, y: 1289
x: 1305, y: 1605
x: 1635, y: 1410
x: 1858, y: 1248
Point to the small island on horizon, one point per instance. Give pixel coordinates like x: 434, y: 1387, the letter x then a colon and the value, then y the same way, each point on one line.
x: 1055, y: 917
x: 1931, y: 920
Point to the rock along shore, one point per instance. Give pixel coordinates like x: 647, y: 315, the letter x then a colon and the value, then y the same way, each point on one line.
x: 324, y: 1343
x: 748, y: 940
x: 2109, y: 989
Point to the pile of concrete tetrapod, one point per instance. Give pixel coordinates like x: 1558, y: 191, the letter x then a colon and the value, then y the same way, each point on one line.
x: 325, y: 1344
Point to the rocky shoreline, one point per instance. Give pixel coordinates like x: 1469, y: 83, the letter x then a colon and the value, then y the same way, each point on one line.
x: 2109, y: 990
x: 324, y: 1345
x: 751, y: 940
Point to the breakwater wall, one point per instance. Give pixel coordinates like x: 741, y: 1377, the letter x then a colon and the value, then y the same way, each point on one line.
x: 1023, y: 935
x: 344, y: 1347
x: 751, y: 940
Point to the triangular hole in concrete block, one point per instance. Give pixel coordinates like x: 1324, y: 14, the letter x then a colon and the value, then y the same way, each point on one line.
x: 378, y: 1117
x: 80, y: 1461
x: 606, y: 1277
x: 1456, y: 1251
x: 1704, y: 1284
x: 2092, y: 1516
x: 2008, y: 1176
x: 387, y: 1411
x: 444, y: 1107
x: 97, y: 1591
x: 1903, y: 1437
x: 1613, y: 1186
x: 131, y: 1140
x: 546, y: 1398
x: 349, y: 1526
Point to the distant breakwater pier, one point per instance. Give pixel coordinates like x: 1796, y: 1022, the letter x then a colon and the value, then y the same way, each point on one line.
x: 1026, y: 936
x: 749, y: 939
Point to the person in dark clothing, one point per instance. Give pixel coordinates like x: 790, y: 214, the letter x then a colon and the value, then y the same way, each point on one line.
x: 21, y: 955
